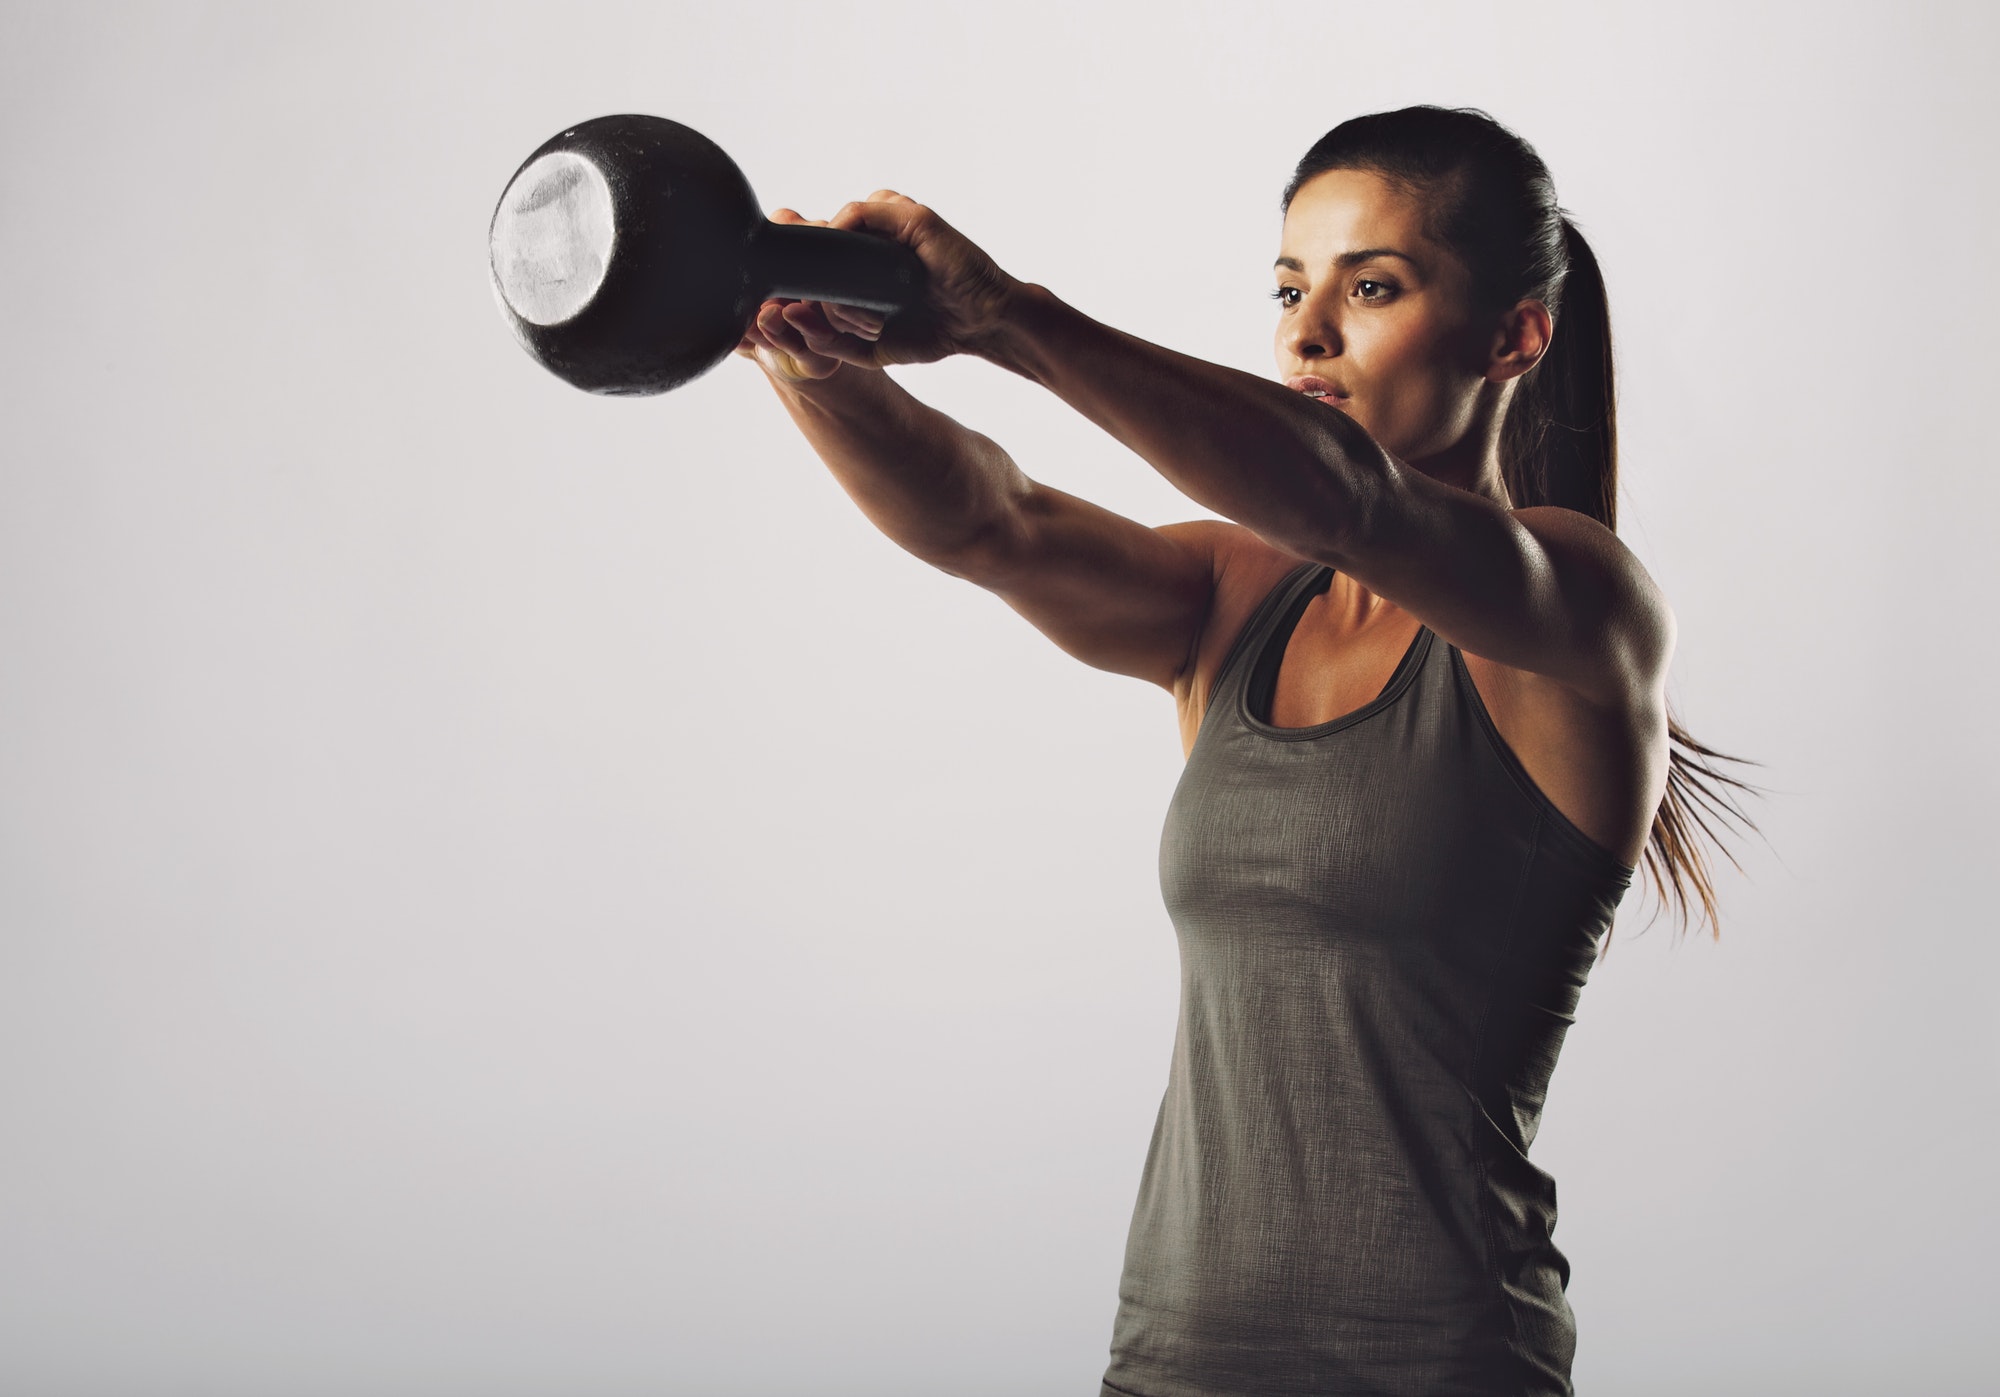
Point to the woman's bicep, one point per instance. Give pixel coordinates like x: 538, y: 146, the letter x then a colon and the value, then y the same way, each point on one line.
x: 1546, y: 590
x: 1117, y: 594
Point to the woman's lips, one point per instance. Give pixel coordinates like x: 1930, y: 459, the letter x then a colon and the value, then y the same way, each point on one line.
x: 1318, y: 388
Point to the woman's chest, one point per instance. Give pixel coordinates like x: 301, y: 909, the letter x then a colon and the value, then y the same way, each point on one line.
x: 1327, y: 672
x: 1392, y: 825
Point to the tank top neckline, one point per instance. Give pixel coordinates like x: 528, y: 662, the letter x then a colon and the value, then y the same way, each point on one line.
x: 1272, y: 632
x: 1259, y: 652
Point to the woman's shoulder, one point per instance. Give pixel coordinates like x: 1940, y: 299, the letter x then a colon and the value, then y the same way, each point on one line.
x: 1246, y: 569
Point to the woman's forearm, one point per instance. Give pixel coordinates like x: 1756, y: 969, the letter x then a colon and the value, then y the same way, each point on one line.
x: 938, y: 489
x: 1298, y: 473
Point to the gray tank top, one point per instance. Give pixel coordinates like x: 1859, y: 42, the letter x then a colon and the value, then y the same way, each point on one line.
x: 1384, y: 926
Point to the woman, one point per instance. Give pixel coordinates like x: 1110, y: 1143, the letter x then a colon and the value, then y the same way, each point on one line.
x: 1421, y: 688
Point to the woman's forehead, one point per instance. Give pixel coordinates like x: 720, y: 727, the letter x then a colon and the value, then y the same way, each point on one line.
x: 1344, y: 211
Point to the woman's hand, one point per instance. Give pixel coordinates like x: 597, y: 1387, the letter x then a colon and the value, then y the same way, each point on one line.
x: 802, y: 341
x: 798, y: 341
x: 967, y: 296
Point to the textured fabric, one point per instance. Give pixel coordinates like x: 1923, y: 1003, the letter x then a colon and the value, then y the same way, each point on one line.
x: 1384, y: 927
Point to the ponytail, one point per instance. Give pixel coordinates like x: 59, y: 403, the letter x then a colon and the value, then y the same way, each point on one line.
x: 1559, y: 446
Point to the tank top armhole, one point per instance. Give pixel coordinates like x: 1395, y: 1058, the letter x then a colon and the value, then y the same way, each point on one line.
x: 1259, y: 622
x: 1558, y: 824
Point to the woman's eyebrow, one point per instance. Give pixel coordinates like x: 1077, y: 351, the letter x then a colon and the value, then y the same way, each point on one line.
x: 1351, y: 259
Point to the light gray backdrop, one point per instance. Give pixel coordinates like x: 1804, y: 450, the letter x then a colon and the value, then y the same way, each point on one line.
x: 508, y: 892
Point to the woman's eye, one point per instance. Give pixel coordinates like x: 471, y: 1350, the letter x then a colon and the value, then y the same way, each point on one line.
x: 1287, y: 295
x: 1373, y: 290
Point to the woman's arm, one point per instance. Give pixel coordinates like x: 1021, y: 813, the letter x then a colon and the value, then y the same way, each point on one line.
x: 1545, y: 590
x: 1110, y: 591
x: 1301, y: 475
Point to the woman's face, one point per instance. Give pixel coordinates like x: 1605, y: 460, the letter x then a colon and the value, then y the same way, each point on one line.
x: 1378, y: 317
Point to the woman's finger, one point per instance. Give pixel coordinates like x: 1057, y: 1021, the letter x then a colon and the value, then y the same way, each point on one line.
x: 787, y: 352
x: 808, y: 319
x: 784, y: 335
x: 773, y: 326
x: 853, y: 320
x: 904, y: 220
x: 794, y: 216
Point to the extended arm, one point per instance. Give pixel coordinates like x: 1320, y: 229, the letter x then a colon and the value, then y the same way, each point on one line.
x: 1544, y: 590
x: 1300, y: 475
x: 1110, y: 591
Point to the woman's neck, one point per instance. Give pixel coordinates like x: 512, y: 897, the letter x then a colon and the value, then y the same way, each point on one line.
x: 1472, y: 466
x: 1473, y: 461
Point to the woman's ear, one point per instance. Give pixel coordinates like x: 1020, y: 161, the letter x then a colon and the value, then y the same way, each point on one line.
x: 1520, y: 342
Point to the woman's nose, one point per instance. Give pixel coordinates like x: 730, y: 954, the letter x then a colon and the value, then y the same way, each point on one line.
x: 1310, y: 335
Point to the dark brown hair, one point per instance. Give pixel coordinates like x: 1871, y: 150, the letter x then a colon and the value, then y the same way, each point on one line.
x: 1492, y: 202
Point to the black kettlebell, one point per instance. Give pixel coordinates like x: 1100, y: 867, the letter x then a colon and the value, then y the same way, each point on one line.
x: 629, y: 256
